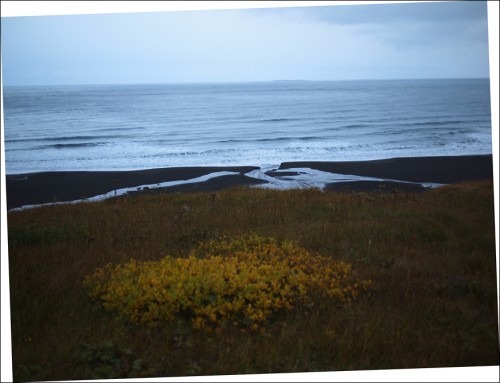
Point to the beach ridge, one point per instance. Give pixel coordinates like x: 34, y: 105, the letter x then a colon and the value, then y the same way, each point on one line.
x: 59, y: 186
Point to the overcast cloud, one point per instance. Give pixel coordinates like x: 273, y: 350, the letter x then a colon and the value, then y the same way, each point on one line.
x: 377, y: 41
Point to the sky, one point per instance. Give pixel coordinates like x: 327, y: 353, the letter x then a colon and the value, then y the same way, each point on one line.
x: 349, y: 42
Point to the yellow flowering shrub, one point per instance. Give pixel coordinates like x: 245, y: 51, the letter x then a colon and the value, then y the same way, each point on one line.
x: 239, y: 281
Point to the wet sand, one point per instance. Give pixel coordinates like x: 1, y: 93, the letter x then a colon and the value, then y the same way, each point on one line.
x: 46, y: 187
x: 445, y: 169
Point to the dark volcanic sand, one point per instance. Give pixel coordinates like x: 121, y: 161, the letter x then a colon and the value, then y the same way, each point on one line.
x: 45, y: 187
x: 446, y: 169
x: 213, y: 184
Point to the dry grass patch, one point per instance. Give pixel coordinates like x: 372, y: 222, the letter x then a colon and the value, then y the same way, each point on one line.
x: 431, y: 256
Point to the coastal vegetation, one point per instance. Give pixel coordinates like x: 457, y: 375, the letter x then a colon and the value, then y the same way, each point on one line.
x: 240, y: 282
x: 248, y: 280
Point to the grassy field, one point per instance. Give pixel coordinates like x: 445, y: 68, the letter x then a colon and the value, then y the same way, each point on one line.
x: 431, y: 257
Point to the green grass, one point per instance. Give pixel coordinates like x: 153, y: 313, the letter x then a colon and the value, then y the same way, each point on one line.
x: 432, y: 256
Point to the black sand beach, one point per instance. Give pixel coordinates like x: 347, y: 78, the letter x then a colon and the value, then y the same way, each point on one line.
x: 46, y: 187
x: 445, y: 169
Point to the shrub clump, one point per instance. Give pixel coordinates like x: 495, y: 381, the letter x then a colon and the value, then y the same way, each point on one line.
x: 241, y: 281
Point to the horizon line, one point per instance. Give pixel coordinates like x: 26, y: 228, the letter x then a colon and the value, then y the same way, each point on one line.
x: 244, y: 81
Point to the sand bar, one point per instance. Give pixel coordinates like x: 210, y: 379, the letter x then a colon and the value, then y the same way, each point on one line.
x: 48, y: 187
x: 445, y: 169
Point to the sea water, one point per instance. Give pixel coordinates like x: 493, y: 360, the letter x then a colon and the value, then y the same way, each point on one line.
x: 131, y: 127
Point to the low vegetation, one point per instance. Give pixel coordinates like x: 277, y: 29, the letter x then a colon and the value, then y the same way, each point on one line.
x: 254, y: 281
x: 240, y: 282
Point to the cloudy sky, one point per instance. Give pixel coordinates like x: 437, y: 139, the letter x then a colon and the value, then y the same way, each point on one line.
x: 374, y: 41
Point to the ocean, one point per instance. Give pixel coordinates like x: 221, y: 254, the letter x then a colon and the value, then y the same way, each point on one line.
x: 132, y: 127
